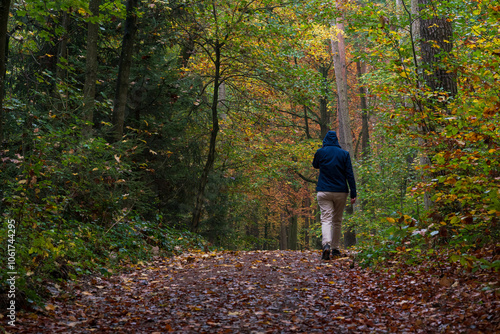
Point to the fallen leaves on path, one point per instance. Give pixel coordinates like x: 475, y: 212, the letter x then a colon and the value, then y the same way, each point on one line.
x: 266, y: 292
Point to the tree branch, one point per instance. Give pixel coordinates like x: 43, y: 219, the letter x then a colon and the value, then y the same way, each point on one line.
x: 305, y: 178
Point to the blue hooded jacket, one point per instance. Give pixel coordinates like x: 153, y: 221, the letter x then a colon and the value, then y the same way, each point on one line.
x: 335, y: 168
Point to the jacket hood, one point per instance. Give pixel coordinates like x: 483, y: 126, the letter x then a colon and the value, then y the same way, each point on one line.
x: 331, y: 139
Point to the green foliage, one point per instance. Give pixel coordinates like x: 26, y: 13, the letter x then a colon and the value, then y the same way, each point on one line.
x: 78, y: 205
x: 458, y: 134
x: 382, y: 181
x: 85, y: 204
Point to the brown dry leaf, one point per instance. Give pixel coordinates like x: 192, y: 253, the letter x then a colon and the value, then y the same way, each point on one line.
x: 445, y: 281
x: 50, y: 307
x: 297, y: 293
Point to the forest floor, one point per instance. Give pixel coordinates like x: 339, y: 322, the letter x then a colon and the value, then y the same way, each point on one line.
x: 269, y: 292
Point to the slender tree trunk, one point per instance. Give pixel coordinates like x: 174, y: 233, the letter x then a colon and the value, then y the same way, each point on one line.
x: 307, y: 218
x: 265, y: 245
x: 415, y: 23
x: 344, y: 133
x: 62, y: 50
x: 213, y: 140
x: 292, y: 232
x: 306, y: 122
x: 4, y: 19
x: 365, y: 130
x: 61, y: 63
x: 122, y: 82
x: 283, y: 234
x: 91, y: 65
x: 323, y: 103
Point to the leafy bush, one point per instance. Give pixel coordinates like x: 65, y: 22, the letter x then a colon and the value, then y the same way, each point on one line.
x: 78, y: 206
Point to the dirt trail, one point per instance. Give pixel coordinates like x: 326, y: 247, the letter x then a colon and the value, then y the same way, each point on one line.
x: 265, y: 292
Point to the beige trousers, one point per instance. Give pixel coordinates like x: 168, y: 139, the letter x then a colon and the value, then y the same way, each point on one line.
x: 332, y: 207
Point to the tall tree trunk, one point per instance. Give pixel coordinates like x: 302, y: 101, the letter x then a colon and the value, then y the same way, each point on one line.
x: 339, y: 63
x: 125, y: 63
x: 307, y: 218
x: 344, y: 132
x: 365, y: 134
x: 436, y: 35
x: 306, y: 122
x: 323, y: 103
x: 4, y: 19
x: 265, y: 246
x: 283, y: 234
x: 91, y: 65
x: 195, y: 221
x: 61, y: 63
x: 292, y: 231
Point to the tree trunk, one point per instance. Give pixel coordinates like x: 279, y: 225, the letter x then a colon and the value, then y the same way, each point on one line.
x: 61, y: 64
x: 292, y: 232
x: 213, y: 140
x: 365, y: 134
x: 91, y: 65
x: 344, y: 132
x: 307, y: 207
x: 323, y: 103
x: 339, y: 63
x: 306, y: 122
x: 265, y: 246
x: 283, y: 234
x: 4, y: 19
x: 436, y: 34
x: 124, y: 66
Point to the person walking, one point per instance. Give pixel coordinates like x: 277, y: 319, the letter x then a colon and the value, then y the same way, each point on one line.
x: 335, y: 175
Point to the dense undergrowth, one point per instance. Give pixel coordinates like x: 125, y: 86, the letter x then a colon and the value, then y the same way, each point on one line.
x: 74, y: 207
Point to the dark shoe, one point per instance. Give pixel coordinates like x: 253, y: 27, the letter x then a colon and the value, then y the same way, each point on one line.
x: 326, y: 253
x: 336, y: 253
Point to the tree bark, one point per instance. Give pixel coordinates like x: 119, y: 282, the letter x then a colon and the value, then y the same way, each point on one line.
x: 195, y: 221
x: 344, y: 132
x: 62, y: 50
x: 323, y: 103
x: 4, y: 19
x: 292, y: 232
x: 307, y: 218
x: 125, y: 63
x: 61, y: 97
x: 283, y: 234
x: 436, y: 34
x: 339, y: 63
x: 306, y: 122
x: 365, y: 130
x: 91, y: 66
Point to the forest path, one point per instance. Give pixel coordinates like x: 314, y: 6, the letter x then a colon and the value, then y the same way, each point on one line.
x: 265, y: 292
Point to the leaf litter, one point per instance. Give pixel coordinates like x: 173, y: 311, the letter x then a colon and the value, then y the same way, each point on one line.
x: 269, y: 292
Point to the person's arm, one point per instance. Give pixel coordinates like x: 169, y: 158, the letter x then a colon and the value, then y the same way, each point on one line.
x: 316, y: 161
x: 350, y: 178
